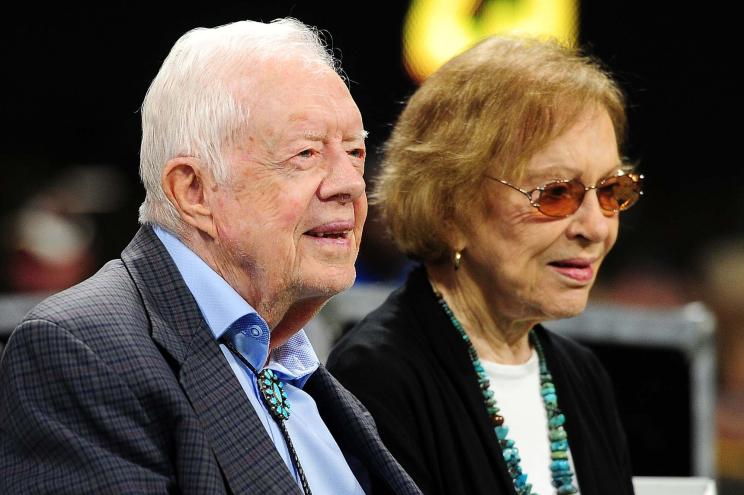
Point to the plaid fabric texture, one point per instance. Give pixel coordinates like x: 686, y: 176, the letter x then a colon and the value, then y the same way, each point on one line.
x: 116, y: 386
x: 349, y: 421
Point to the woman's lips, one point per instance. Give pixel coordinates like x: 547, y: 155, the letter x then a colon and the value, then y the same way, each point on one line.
x: 580, y: 270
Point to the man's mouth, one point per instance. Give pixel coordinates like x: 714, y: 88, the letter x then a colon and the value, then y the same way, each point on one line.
x: 338, y: 230
x: 333, y: 235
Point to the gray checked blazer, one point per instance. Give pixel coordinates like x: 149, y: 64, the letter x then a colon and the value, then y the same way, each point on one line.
x: 117, y: 386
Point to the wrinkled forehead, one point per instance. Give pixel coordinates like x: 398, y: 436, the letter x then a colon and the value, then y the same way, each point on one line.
x: 555, y: 141
x: 281, y: 93
x: 285, y: 79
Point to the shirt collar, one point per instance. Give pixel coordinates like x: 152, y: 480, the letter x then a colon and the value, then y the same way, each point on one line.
x: 222, y: 307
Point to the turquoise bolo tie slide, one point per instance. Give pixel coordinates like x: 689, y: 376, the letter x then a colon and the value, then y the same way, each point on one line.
x: 275, y: 398
x: 272, y: 391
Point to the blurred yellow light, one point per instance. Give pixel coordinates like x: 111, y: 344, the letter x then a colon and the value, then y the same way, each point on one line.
x: 437, y: 30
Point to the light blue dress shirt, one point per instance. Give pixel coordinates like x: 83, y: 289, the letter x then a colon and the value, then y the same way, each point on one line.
x: 325, y: 468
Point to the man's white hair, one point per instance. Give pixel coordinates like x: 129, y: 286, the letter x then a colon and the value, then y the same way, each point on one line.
x: 190, y: 109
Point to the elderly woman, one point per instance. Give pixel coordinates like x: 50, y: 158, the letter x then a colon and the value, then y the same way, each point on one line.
x: 503, y: 177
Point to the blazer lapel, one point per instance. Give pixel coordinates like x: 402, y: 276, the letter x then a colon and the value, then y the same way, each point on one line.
x: 354, y: 429
x: 247, y: 457
x: 245, y: 452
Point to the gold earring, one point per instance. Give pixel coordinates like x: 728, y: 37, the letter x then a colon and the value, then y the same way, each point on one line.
x: 456, y: 257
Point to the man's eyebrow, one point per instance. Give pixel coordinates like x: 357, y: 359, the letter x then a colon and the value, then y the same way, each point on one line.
x: 356, y: 136
x: 321, y: 136
x: 315, y: 136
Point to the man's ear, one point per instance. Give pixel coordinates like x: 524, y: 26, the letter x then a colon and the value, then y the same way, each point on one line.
x: 188, y: 185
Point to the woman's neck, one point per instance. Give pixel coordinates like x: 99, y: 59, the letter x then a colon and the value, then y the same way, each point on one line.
x: 495, y: 337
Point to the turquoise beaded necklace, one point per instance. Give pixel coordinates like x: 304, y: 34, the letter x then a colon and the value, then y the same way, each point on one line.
x: 560, y: 469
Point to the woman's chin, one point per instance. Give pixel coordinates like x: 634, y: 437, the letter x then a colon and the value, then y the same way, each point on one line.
x: 566, y: 307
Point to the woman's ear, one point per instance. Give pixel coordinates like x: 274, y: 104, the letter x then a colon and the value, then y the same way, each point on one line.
x: 187, y: 185
x: 456, y: 239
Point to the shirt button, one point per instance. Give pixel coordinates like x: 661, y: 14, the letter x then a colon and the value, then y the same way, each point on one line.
x: 256, y: 331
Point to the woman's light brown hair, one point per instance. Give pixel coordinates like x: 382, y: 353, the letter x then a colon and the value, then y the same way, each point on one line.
x: 488, y: 110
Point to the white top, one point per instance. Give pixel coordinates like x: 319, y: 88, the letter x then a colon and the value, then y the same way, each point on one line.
x: 516, y: 389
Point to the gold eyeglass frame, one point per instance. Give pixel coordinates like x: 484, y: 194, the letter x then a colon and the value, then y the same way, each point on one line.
x: 535, y: 201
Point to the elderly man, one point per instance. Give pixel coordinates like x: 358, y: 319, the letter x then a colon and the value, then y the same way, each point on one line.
x: 183, y: 367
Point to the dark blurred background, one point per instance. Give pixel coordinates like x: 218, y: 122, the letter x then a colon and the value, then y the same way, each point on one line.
x: 74, y: 76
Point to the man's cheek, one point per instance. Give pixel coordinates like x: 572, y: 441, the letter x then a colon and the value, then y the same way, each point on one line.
x: 288, y: 214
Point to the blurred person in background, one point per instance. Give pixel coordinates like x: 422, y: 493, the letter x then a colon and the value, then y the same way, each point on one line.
x: 55, y: 236
x: 722, y: 270
x: 183, y: 367
x: 503, y: 177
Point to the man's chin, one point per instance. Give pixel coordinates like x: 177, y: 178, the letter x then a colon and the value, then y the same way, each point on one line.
x: 343, y: 280
x: 328, y: 281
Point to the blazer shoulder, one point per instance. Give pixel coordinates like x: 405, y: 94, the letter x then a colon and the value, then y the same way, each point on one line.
x: 104, y: 318
x: 109, y: 298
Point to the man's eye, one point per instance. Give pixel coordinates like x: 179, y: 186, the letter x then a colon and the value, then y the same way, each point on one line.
x: 357, y: 152
x: 308, y: 153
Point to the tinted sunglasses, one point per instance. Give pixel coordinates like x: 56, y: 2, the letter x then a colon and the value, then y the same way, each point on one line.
x: 563, y: 197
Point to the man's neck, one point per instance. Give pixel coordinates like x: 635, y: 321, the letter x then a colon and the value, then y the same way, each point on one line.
x: 294, y: 319
x: 284, y: 315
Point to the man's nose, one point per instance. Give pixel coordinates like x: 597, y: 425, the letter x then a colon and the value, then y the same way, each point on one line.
x: 344, y: 181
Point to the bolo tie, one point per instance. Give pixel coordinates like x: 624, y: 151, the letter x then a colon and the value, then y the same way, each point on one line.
x: 272, y: 393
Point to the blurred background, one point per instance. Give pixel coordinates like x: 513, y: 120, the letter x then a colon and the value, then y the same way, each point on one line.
x: 74, y: 76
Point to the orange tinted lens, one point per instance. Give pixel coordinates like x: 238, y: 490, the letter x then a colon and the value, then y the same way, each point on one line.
x: 559, y: 199
x: 618, y: 193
